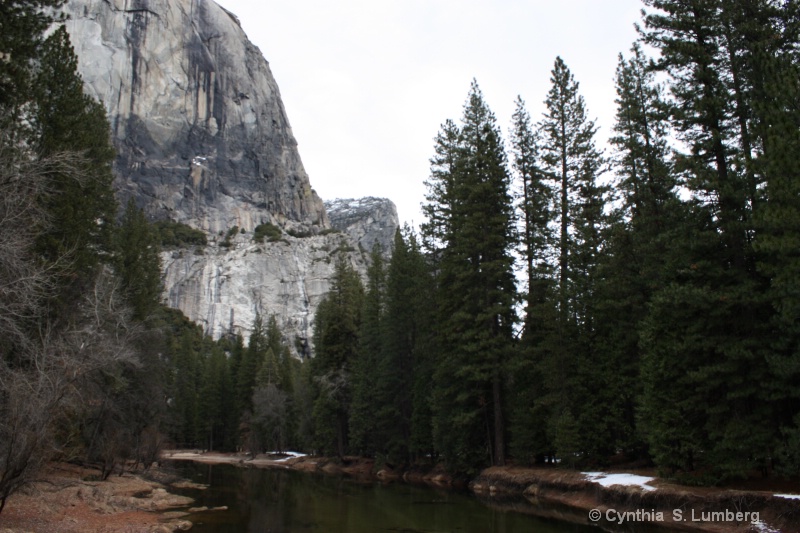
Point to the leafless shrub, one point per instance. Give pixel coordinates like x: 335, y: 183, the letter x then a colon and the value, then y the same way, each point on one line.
x: 49, y: 368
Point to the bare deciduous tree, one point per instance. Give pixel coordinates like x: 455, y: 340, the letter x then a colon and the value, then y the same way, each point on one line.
x: 50, y: 367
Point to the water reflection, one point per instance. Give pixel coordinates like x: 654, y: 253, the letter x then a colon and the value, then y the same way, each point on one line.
x: 282, y: 501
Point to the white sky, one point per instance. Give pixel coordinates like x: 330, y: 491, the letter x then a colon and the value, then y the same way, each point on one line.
x: 367, y: 83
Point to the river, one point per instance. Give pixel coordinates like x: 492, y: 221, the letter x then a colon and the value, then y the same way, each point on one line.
x: 284, y: 501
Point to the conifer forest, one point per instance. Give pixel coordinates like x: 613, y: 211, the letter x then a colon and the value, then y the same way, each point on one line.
x: 568, y: 300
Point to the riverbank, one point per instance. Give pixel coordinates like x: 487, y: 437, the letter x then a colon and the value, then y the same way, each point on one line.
x: 614, y: 501
x: 71, y: 499
x: 619, y: 501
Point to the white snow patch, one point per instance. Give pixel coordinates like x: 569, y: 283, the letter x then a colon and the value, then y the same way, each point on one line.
x: 605, y: 479
x: 289, y: 455
x: 764, y: 528
x: 789, y: 496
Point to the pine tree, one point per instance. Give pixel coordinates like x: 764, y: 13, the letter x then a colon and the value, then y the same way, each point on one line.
x: 336, y: 339
x: 251, y: 361
x: 282, y: 354
x: 438, y: 207
x: 572, y: 162
x: 534, y: 203
x: 528, y: 419
x: 188, y: 373
x: 22, y: 27
x: 137, y: 262
x: 716, y: 281
x: 632, y: 267
x: 768, y: 35
x: 371, y: 412
x: 270, y: 404
x: 82, y: 209
x: 476, y: 286
x: 410, y: 334
x: 215, y: 397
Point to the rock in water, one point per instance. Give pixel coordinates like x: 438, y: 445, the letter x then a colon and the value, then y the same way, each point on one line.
x: 201, y: 133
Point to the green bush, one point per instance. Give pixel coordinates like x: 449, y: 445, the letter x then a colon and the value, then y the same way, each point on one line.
x: 173, y: 234
x: 298, y: 234
x: 270, y: 231
x: 231, y: 232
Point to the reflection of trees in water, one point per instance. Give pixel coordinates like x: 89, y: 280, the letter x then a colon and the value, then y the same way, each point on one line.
x: 278, y: 501
x: 265, y: 500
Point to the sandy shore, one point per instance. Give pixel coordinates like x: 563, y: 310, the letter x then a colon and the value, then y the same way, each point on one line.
x: 69, y: 500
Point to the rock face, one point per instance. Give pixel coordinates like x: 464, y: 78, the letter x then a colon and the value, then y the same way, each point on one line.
x: 223, y: 288
x: 368, y: 221
x: 203, y: 139
x: 200, y: 130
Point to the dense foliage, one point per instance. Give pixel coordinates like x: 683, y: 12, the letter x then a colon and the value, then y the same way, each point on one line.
x: 657, y: 300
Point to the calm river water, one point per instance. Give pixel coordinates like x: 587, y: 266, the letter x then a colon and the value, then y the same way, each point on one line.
x: 283, y: 501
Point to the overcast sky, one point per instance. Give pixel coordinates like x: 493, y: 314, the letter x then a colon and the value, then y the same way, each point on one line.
x: 367, y: 83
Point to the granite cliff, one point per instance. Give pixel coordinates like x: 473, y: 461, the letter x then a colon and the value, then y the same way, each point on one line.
x: 200, y: 130
x: 203, y: 138
x: 223, y: 287
x: 368, y: 221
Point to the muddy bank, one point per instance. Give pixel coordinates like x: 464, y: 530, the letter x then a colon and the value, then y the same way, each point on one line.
x: 71, y: 499
x: 659, y: 505
x: 356, y: 467
x: 568, y: 495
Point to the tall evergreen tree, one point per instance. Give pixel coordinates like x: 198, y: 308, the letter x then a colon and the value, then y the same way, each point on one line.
x: 371, y: 411
x: 633, y: 265
x: 216, y: 401
x: 337, y: 328
x: 438, y: 207
x: 717, y: 285
x: 768, y: 34
x: 528, y: 419
x: 252, y: 358
x: 22, y: 27
x: 82, y: 209
x: 137, y: 262
x: 410, y: 336
x: 572, y: 162
x: 477, y: 288
x: 187, y: 379
x: 535, y: 203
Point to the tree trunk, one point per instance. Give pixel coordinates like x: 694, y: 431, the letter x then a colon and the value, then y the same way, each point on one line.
x: 499, y: 429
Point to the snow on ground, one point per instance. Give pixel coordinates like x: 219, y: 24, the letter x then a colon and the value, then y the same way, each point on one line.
x: 606, y: 479
x: 288, y: 454
x: 761, y: 527
x: 789, y: 496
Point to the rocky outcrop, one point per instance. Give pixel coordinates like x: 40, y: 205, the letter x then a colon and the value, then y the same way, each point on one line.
x: 200, y: 130
x: 223, y: 288
x: 368, y: 221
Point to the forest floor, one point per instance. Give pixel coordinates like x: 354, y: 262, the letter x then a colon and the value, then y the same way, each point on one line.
x: 71, y: 499
x: 621, y: 500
